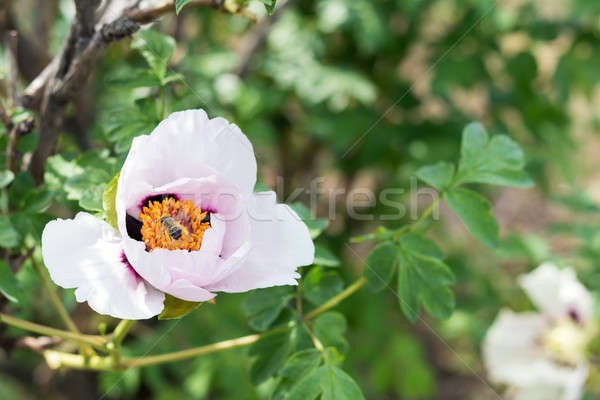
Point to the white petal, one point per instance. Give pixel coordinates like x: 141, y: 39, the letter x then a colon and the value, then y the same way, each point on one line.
x: 86, y: 253
x: 557, y: 292
x: 571, y: 388
x: 280, y: 243
x: 513, y: 354
x: 189, y: 145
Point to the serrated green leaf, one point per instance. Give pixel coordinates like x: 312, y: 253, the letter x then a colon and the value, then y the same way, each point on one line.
x: 423, y: 277
x: 263, y: 306
x: 475, y: 212
x: 498, y: 161
x: 108, y: 201
x: 380, y: 266
x: 156, y: 48
x: 179, y: 4
x: 325, y: 257
x: 270, y: 351
x: 175, y: 308
x: 6, y: 177
x: 9, y: 237
x: 315, y: 225
x: 319, y: 285
x: 9, y: 285
x: 438, y: 175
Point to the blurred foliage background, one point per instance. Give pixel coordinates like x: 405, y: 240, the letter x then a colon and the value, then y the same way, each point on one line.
x: 359, y: 93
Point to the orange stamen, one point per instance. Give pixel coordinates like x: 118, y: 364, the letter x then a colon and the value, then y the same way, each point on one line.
x: 185, y: 218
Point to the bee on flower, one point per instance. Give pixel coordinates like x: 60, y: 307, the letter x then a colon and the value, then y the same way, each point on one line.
x: 188, y: 225
x: 542, y: 355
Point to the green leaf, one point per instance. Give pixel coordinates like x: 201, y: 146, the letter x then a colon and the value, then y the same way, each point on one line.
x: 380, y: 266
x: 329, y: 328
x: 315, y: 225
x: 423, y: 277
x: 91, y: 198
x: 172, y: 77
x: 320, y: 285
x: 9, y: 285
x: 6, y: 177
x: 300, y: 363
x: 108, y: 201
x: 9, y: 237
x: 475, y: 212
x: 336, y: 385
x: 179, y: 4
x: 271, y: 351
x: 309, y: 387
x: 269, y: 5
x: 175, y: 308
x: 37, y: 200
x: 28, y: 143
x: 156, y: 48
x: 437, y: 175
x: 498, y: 161
x: 263, y: 306
x: 325, y: 257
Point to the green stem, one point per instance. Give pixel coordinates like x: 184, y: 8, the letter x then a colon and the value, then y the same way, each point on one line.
x: 411, y: 227
x: 336, y: 299
x: 60, y: 308
x: 121, y: 331
x: 58, y: 305
x: 194, y: 352
x: 95, y: 341
x: 57, y: 359
x: 162, y: 103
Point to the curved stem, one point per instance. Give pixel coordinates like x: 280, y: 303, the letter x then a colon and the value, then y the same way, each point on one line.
x: 411, y: 227
x: 58, y: 305
x: 121, y: 331
x: 337, y: 298
x: 59, y: 359
x: 79, y: 338
x: 194, y: 352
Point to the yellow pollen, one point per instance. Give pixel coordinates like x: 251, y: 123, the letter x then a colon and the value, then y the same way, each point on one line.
x: 173, y: 224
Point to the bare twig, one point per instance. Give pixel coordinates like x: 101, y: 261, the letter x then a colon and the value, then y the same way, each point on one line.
x: 257, y: 38
x: 10, y: 44
x: 61, y: 79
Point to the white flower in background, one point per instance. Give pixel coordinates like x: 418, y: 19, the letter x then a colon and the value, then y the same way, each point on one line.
x: 188, y: 222
x: 541, y: 355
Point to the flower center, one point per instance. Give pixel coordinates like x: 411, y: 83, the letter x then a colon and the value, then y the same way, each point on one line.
x: 566, y: 342
x: 173, y: 224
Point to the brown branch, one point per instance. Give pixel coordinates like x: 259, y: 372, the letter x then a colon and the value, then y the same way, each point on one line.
x: 258, y: 37
x: 11, y: 44
x: 60, y: 80
x: 14, y: 131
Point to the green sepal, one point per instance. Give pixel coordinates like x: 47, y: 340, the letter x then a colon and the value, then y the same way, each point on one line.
x: 176, y: 308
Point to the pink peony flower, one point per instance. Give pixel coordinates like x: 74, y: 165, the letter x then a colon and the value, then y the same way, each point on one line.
x: 189, y: 225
